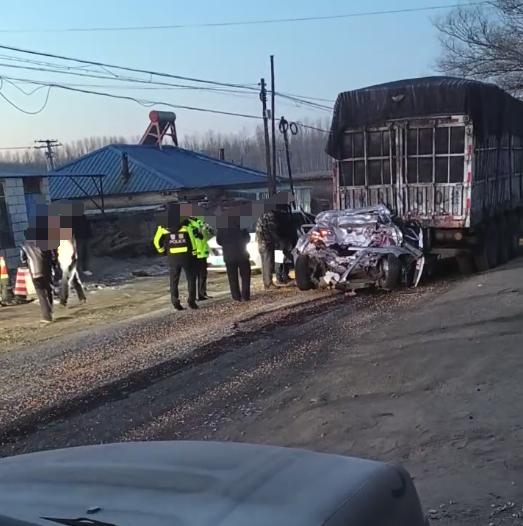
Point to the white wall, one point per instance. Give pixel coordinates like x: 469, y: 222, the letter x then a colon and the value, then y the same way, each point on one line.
x: 16, y: 208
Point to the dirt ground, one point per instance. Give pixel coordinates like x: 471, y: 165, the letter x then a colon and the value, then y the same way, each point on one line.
x: 429, y: 378
x: 115, y: 292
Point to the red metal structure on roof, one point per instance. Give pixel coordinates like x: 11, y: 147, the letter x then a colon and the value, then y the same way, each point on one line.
x: 162, y: 124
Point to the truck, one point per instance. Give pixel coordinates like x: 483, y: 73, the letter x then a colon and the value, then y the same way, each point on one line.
x: 443, y: 153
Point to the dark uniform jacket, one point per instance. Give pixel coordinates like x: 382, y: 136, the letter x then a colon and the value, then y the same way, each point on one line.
x: 234, y: 243
x: 275, y: 230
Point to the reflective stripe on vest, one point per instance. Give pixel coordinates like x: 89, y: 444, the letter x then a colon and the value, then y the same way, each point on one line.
x: 178, y: 242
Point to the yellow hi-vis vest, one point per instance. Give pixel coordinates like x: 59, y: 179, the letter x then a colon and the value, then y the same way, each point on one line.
x: 176, y: 242
x: 201, y: 241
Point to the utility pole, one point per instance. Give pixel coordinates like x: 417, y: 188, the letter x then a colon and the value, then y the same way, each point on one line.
x: 263, y: 98
x: 48, y: 145
x: 273, y: 124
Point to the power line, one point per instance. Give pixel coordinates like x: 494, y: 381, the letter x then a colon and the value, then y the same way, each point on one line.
x: 305, y: 102
x: 263, y: 21
x: 67, y: 70
x: 16, y: 147
x: 125, y: 68
x: 27, y: 112
x: 227, y: 91
x: 119, y: 78
x: 142, y: 102
x: 311, y: 127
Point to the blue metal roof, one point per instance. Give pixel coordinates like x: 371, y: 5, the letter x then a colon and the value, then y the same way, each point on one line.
x: 21, y: 170
x: 152, y: 170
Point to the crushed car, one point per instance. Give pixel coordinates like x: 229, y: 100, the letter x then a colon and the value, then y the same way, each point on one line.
x: 358, y: 248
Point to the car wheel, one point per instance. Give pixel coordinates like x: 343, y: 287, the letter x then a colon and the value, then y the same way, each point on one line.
x: 391, y: 268
x: 303, y: 271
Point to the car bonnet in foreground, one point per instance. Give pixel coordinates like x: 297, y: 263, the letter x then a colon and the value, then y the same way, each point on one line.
x: 203, y: 484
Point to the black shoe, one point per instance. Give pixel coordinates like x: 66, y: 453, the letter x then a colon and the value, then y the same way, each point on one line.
x: 203, y: 298
x: 178, y: 306
x: 193, y: 305
x: 236, y: 299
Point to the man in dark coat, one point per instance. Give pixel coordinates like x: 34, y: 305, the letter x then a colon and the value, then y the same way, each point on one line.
x: 39, y: 253
x: 233, y: 239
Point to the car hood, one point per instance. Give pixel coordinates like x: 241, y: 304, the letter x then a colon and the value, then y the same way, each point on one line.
x: 196, y: 483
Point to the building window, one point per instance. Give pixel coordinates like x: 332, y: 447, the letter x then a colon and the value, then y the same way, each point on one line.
x: 32, y: 185
x: 6, y: 233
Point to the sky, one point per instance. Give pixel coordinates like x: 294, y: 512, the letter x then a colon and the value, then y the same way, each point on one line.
x: 313, y: 58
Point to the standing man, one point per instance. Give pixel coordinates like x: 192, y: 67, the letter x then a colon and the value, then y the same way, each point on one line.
x: 265, y: 229
x: 233, y: 241
x: 38, y: 253
x: 68, y: 261
x: 202, y: 232
x: 178, y: 243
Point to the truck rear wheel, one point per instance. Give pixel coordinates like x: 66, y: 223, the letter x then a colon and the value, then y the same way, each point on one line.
x: 486, y: 254
x: 466, y: 263
x: 513, y: 235
x: 504, y: 241
x: 303, y: 271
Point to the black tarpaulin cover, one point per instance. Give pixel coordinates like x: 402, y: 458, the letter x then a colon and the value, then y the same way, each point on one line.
x: 491, y: 109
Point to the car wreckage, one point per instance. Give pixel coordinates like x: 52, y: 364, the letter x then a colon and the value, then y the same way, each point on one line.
x: 357, y: 248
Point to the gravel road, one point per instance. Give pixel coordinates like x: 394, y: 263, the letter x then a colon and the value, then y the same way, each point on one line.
x: 428, y: 378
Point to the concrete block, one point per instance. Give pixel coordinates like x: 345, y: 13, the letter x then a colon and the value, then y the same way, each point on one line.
x: 18, y: 218
x: 11, y: 182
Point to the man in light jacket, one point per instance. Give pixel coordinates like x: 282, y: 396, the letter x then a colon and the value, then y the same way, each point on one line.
x: 68, y: 261
x: 38, y: 252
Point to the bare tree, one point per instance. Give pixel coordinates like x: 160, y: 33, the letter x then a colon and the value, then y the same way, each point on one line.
x: 485, y: 43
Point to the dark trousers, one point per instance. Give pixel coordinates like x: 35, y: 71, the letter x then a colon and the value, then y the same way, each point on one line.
x: 243, y: 267
x: 82, y: 248
x: 202, y: 278
x: 70, y: 278
x: 267, y: 261
x: 4, y: 290
x: 283, y: 269
x: 175, y: 271
x: 44, y: 292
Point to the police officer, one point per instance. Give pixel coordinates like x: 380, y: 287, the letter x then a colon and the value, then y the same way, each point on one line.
x: 179, y: 243
x: 202, y: 233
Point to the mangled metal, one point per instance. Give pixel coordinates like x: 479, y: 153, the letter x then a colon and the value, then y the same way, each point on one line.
x: 353, y: 248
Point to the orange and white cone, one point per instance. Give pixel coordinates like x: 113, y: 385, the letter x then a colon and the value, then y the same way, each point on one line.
x: 4, y: 282
x: 4, y: 274
x: 24, y: 284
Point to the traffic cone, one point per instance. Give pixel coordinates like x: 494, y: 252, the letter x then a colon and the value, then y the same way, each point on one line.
x: 24, y: 284
x: 4, y: 283
x: 4, y: 274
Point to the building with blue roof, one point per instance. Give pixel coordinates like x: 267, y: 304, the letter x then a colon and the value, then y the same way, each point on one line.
x: 123, y: 175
